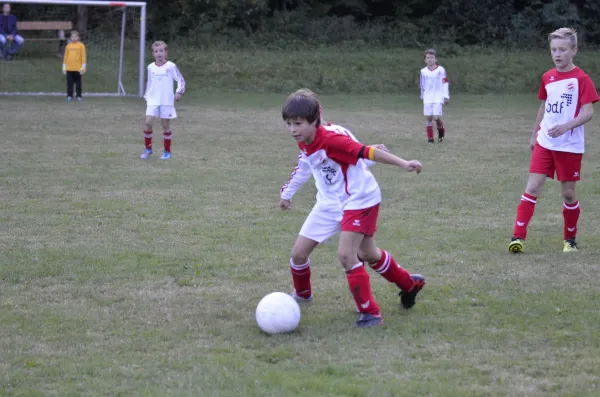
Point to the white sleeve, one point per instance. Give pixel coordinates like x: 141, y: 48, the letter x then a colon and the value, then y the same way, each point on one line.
x: 179, y: 79
x: 298, y: 178
x: 422, y: 84
x: 148, y: 84
x: 445, y: 85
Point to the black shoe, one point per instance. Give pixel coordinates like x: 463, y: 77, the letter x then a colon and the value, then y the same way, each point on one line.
x: 430, y: 141
x: 367, y: 320
x: 441, y: 135
x: 407, y: 298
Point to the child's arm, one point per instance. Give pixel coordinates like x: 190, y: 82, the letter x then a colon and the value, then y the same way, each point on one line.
x: 445, y: 86
x: 83, y: 60
x: 148, y: 84
x: 180, y: 83
x: 422, y: 85
x: 298, y: 178
x: 536, y: 127
x: 64, y: 65
x: 585, y: 115
x: 384, y: 157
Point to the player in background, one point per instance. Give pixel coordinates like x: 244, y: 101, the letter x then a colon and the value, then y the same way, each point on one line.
x: 323, y: 222
x: 160, y: 100
x: 434, y: 93
x: 334, y: 160
x: 74, y: 65
x: 567, y: 94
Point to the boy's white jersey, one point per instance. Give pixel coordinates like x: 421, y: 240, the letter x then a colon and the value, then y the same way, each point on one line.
x: 564, y: 94
x: 159, y: 88
x: 326, y: 199
x: 434, y: 85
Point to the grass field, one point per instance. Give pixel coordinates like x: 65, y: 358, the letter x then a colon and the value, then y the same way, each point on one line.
x: 123, y: 277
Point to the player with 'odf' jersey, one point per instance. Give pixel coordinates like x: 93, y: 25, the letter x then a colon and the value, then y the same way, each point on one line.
x: 557, y: 143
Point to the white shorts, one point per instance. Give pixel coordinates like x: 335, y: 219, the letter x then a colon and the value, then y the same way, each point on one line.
x: 164, y: 111
x: 432, y: 109
x: 320, y: 225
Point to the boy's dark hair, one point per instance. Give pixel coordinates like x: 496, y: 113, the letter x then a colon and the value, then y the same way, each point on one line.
x: 302, y: 106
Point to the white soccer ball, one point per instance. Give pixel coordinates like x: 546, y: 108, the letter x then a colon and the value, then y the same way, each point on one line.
x: 277, y: 313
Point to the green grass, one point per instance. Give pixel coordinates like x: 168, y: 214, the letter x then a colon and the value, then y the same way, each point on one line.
x: 332, y: 70
x: 122, y: 277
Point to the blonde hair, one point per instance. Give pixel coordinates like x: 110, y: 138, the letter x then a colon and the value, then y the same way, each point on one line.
x: 564, y: 34
x: 430, y: 51
x: 159, y: 43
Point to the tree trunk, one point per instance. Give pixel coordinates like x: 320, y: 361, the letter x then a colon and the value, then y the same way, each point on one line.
x: 82, y: 20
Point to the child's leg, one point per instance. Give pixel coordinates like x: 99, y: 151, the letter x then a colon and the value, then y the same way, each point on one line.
x: 70, y: 84
x: 571, y: 209
x: 429, y: 128
x: 357, y: 276
x: 77, y: 79
x: 300, y: 266
x: 167, y: 135
x: 384, y: 263
x: 440, y: 127
x: 148, y: 131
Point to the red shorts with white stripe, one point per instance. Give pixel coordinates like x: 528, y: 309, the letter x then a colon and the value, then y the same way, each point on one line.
x: 362, y: 221
x: 566, y: 165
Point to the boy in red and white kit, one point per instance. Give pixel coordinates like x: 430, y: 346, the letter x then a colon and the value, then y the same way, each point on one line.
x: 557, y: 143
x: 334, y: 159
x: 435, y: 94
x: 160, y: 100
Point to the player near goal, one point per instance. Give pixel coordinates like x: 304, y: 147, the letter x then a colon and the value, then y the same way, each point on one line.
x: 567, y: 94
x: 335, y: 160
x: 74, y: 65
x: 434, y: 94
x: 160, y: 99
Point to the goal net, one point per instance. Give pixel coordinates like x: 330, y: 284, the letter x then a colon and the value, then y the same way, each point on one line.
x: 112, y: 32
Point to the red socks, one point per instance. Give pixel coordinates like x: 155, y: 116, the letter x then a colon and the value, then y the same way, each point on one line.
x: 440, y: 127
x: 301, y: 277
x: 389, y: 269
x: 148, y: 139
x: 429, y: 130
x: 524, y: 213
x: 167, y: 135
x: 571, y: 216
x: 360, y: 288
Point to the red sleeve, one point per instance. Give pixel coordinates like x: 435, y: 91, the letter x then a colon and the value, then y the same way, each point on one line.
x: 587, y: 93
x: 542, y: 94
x: 343, y: 149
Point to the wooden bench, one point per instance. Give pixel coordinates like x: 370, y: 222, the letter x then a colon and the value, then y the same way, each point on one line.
x: 57, y: 26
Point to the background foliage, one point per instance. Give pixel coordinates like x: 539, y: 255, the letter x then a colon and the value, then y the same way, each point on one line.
x: 383, y: 23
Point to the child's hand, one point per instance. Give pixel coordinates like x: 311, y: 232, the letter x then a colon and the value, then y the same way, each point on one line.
x: 177, y: 96
x: 414, y: 165
x: 285, y: 204
x: 446, y: 100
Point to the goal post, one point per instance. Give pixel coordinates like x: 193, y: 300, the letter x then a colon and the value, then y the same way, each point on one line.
x: 114, y: 33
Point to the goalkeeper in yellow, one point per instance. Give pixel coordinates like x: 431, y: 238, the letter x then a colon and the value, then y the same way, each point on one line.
x: 74, y: 65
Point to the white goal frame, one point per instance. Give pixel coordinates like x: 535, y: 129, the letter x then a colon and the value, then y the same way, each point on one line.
x: 117, y: 4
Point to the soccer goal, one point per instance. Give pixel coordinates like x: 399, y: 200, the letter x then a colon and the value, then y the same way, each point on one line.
x: 112, y: 32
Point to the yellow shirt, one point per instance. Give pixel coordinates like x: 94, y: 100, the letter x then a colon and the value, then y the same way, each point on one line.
x: 75, y: 57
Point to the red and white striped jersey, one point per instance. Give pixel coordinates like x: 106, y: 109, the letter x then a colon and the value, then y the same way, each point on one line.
x: 326, y: 199
x: 161, y: 79
x: 434, y: 85
x: 564, y: 94
x: 340, y: 176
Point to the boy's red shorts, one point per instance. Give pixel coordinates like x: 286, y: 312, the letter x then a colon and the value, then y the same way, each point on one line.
x: 362, y: 221
x: 567, y: 165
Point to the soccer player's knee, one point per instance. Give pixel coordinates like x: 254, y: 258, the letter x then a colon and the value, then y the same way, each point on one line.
x: 346, y: 259
x: 569, y: 194
x: 368, y: 256
x: 299, y: 256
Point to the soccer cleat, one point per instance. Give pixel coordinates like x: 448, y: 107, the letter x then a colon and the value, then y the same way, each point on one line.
x: 441, y: 135
x: 407, y: 298
x: 570, y: 245
x: 79, y: 99
x: 430, y: 141
x: 517, y: 245
x: 367, y: 320
x: 300, y: 299
x: 146, y: 154
x: 165, y: 156
x: 69, y: 99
